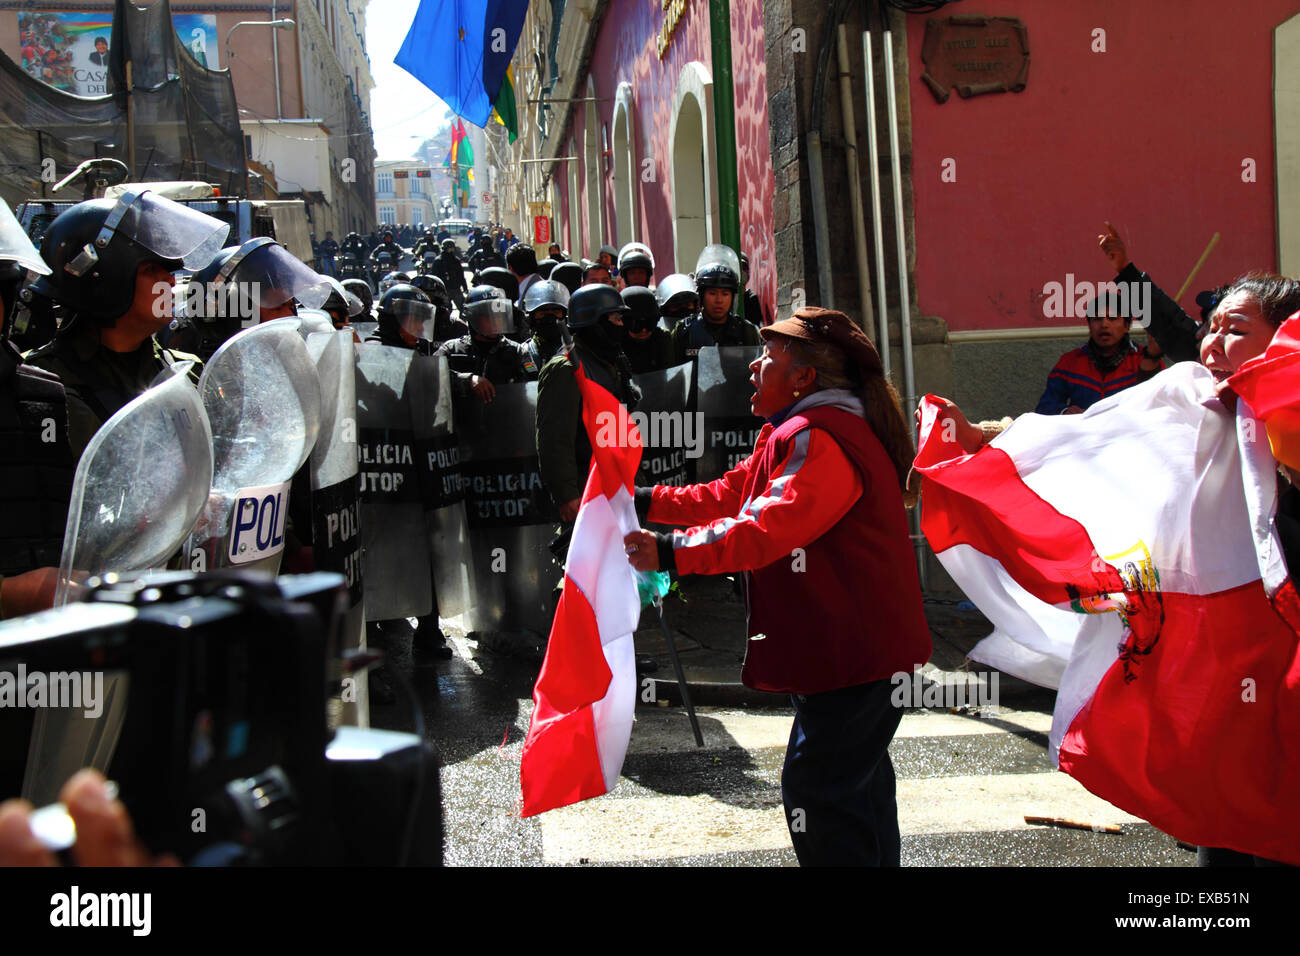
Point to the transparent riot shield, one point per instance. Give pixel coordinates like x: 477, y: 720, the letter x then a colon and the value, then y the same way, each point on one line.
x: 335, y: 498
x: 365, y: 329
x: 140, y: 485
x: 510, y: 516
x: 442, y: 483
x: 722, y: 393
x: 262, y: 397
x: 395, y: 553
x: 671, y: 434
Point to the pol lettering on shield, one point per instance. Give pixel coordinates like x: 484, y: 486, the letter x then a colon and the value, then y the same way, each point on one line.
x: 257, y: 523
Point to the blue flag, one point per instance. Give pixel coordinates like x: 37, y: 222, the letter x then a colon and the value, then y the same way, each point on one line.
x: 461, y: 50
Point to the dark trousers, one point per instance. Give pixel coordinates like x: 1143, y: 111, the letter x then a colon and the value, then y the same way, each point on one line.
x: 838, y: 783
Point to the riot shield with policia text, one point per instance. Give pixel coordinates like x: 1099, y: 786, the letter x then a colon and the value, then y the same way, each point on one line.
x: 511, y: 517
x: 672, y: 438
x: 335, y: 496
x: 262, y: 397
x: 395, y: 556
x: 722, y: 394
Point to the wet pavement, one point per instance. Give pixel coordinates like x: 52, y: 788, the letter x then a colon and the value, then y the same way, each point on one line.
x: 966, y: 779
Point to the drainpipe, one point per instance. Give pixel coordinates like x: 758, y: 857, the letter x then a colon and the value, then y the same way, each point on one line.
x: 724, y: 123
x: 855, y: 183
x: 877, y: 224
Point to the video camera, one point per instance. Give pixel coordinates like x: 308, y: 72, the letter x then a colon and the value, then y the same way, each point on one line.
x: 214, y: 725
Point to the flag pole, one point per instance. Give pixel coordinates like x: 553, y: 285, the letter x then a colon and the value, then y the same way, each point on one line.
x: 681, y: 678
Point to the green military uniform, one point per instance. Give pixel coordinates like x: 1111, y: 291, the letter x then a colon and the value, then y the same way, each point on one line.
x: 99, y: 381
x: 696, y: 332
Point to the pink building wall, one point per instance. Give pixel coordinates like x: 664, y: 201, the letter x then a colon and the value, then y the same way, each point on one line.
x: 625, y: 51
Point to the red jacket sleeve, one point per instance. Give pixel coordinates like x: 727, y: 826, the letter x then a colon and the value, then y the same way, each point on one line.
x: 806, y: 494
x: 700, y: 504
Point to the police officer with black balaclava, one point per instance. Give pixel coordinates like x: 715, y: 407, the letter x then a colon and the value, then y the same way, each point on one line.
x: 361, y: 289
x: 444, y: 326
x: 546, y: 304
x: 405, y: 320
x: 677, y: 299
x: 485, y: 358
x: 596, y: 316
x: 112, y: 262
x: 648, y: 347
x: 717, y: 280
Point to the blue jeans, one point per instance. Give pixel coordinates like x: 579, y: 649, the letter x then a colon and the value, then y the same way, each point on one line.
x: 838, y: 783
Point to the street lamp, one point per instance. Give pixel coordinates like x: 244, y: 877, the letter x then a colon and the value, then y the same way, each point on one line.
x: 281, y: 24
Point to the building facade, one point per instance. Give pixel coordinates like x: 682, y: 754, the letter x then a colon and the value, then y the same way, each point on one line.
x: 405, y: 193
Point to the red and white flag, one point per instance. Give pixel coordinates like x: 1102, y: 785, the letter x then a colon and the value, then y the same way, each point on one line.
x: 1120, y: 555
x: 585, y: 695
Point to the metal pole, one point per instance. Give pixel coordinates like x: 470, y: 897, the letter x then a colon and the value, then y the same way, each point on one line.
x: 275, y: 59
x: 877, y: 224
x: 681, y: 678
x: 130, y: 125
x: 821, y: 234
x: 724, y: 123
x: 855, y: 182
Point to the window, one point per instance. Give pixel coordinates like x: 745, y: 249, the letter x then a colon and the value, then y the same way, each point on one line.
x: 385, y: 182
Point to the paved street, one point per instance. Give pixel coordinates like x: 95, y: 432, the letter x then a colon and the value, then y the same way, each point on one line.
x: 966, y: 782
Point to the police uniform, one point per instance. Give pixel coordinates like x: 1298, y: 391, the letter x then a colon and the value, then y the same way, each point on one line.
x: 696, y: 332
x: 100, y: 381
x: 501, y: 363
x: 652, y: 354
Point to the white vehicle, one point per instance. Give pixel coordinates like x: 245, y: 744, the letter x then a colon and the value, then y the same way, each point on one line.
x: 459, y: 231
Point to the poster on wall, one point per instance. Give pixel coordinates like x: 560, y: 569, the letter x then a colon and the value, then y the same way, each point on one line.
x: 69, y: 51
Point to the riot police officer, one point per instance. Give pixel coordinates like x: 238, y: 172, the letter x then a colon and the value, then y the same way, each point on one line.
x: 341, y: 305
x: 112, y: 262
x: 361, y: 289
x: 485, y: 358
x: 648, y: 347
x: 636, y: 265
x: 386, y: 248
x: 506, y: 281
x: 717, y: 280
x: 444, y: 326
x: 485, y: 256
x: 452, y: 272
x: 546, y: 304
x: 247, y: 284
x: 596, y: 315
x: 405, y: 320
x: 677, y: 299
x: 545, y: 266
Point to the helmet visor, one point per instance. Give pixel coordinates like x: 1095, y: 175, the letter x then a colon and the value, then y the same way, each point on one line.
x: 718, y: 255
x: 272, y: 276
x: 412, y: 317
x: 15, y: 246
x: 168, y: 229
x: 492, y: 318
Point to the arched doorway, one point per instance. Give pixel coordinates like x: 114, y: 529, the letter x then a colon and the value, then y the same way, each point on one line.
x: 693, y: 166
x: 625, y: 178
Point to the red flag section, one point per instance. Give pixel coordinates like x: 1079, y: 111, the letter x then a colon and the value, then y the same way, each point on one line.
x: 586, y: 691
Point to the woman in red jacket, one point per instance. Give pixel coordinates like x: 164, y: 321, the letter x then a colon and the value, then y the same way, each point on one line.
x: 815, y: 518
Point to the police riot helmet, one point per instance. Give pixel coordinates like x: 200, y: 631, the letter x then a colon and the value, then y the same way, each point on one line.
x: 449, y: 245
x: 546, y: 294
x: 488, y: 312
x: 406, y: 308
x: 95, y: 248
x: 389, y: 280
x: 544, y: 267
x: 503, y: 279
x: 636, y: 255
x: 718, y: 267
x: 263, y: 265
x: 676, y: 296
x: 643, y: 312
x: 567, y: 274
x: 361, y: 289
x: 593, y: 302
x: 341, y: 300
x: 611, y: 252
x: 18, y: 256
x: 434, y: 288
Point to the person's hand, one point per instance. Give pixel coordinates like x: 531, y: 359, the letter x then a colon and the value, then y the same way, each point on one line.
x: 954, y: 426
x: 105, y: 836
x: 569, y: 510
x: 29, y: 592
x: 642, y: 550
x: 483, y: 388
x: 1227, y: 396
x: 1112, y: 247
x: 1073, y: 410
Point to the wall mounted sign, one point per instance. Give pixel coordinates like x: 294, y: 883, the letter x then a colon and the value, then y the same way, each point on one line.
x: 975, y: 54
